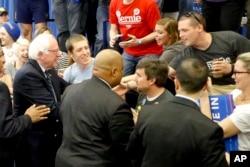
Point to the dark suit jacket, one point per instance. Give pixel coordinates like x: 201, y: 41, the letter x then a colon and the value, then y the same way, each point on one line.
x: 96, y: 126
x: 10, y: 127
x: 176, y: 135
x: 31, y: 87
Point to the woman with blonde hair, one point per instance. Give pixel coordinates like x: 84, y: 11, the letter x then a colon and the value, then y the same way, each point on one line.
x: 167, y: 35
x: 237, y: 123
x: 22, y: 50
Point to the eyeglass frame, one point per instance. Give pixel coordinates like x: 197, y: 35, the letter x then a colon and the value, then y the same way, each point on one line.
x: 55, y: 50
x: 240, y: 72
x: 188, y: 14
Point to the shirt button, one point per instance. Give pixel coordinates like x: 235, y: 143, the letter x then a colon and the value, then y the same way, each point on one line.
x: 55, y: 135
x: 57, y: 120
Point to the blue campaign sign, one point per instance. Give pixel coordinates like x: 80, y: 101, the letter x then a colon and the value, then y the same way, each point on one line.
x: 221, y: 107
x: 197, y: 7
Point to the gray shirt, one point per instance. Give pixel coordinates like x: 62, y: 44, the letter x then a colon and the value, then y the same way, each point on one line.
x: 226, y: 45
x: 171, y: 51
x: 11, y: 69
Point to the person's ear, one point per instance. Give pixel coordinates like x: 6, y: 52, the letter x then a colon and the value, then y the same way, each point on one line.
x: 113, y: 71
x: 70, y: 54
x: 177, y: 84
x: 200, y: 27
x: 40, y: 55
x: 208, y: 86
x: 152, y: 81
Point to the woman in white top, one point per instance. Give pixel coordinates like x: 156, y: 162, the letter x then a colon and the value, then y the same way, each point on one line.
x: 238, y: 123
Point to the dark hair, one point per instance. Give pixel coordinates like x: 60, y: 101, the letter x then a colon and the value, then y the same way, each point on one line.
x: 154, y: 68
x: 192, y: 73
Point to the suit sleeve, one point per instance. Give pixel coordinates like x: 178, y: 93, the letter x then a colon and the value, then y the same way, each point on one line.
x: 9, y: 125
x: 213, y: 150
x: 120, y: 127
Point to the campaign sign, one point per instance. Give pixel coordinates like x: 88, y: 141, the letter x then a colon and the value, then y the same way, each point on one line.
x: 222, y: 106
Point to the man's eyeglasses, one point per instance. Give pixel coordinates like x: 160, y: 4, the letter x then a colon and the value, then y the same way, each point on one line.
x: 188, y: 14
x: 241, y: 72
x: 55, y: 50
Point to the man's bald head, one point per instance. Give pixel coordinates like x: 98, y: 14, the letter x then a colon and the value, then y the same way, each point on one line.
x: 108, y: 65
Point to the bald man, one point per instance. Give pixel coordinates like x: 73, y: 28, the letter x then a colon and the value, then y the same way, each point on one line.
x: 96, y: 121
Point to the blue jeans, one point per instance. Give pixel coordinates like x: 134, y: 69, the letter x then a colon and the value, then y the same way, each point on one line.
x: 70, y: 18
x: 185, y: 6
x: 130, y: 62
x: 102, y: 16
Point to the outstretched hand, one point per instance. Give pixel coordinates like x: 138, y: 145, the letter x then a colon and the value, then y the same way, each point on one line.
x: 132, y: 41
x: 121, y: 89
x: 37, y: 113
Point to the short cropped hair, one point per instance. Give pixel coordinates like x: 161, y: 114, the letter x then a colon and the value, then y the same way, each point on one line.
x: 192, y: 73
x: 154, y: 68
x: 73, y: 39
x: 195, y: 19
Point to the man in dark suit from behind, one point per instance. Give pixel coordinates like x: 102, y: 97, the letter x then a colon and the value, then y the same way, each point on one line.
x: 96, y: 121
x: 12, y: 127
x: 178, y: 134
x: 38, y: 83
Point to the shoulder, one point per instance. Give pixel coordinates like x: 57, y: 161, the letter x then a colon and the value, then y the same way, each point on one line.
x: 167, y: 93
x: 224, y: 35
x: 3, y: 88
x: 9, y: 65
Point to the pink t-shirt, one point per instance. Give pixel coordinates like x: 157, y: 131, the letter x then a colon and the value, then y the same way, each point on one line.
x: 138, y: 19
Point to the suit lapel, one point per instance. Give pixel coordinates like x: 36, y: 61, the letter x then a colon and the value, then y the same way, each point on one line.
x: 37, y: 67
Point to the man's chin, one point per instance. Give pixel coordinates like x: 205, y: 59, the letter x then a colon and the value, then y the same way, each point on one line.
x: 187, y: 44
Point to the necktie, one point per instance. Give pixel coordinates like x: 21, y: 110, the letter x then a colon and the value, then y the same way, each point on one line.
x: 48, y: 76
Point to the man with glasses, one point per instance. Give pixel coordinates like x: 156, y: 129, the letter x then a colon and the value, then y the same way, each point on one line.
x: 37, y: 82
x: 218, y: 50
